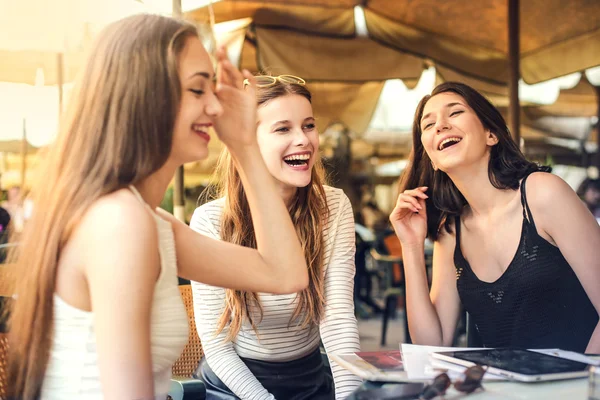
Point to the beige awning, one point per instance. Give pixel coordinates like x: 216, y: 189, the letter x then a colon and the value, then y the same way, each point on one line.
x: 556, y: 37
x: 579, y: 101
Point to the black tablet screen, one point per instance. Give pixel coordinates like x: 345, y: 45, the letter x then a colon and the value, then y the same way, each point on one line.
x: 520, y: 361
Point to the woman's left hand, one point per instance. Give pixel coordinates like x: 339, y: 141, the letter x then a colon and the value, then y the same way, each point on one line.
x: 236, y: 126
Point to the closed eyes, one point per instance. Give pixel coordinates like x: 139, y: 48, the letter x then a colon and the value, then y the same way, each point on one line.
x: 452, y: 114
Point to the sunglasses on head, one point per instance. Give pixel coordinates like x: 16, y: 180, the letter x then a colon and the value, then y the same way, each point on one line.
x: 471, y: 382
x: 263, y: 81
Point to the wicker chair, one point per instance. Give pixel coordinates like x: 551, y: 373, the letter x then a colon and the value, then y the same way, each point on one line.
x: 3, y: 364
x: 7, y: 281
x: 184, y: 385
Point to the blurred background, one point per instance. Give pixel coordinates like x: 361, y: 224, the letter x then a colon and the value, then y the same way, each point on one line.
x: 367, y: 63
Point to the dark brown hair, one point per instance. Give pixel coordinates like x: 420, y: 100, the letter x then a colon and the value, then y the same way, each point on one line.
x: 117, y: 131
x: 308, y: 212
x: 506, y: 167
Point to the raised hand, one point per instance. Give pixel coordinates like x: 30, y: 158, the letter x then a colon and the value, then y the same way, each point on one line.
x: 409, y: 217
x: 236, y: 127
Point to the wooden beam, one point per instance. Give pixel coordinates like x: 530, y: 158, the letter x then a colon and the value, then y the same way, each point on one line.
x: 598, y: 128
x: 179, y: 184
x: 514, y: 70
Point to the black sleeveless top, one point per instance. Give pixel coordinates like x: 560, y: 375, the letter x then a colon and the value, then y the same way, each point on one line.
x: 538, y: 302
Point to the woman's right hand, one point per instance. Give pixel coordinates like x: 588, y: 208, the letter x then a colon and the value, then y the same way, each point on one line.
x: 409, y: 217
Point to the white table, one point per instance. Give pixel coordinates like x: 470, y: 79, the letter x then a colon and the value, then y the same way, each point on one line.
x: 572, y: 389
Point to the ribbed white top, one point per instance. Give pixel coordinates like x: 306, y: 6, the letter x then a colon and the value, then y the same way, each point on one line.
x: 73, y: 372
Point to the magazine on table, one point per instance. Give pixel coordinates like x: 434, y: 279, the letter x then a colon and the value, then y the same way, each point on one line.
x: 381, y: 366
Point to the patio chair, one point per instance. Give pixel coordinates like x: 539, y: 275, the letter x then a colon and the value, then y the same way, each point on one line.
x: 184, y: 385
x: 393, y: 286
x: 3, y: 365
x: 6, y: 292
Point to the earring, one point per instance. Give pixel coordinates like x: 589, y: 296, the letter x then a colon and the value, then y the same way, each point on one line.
x: 433, y: 165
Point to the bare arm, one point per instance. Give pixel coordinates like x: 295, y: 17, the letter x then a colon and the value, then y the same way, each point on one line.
x: 121, y: 265
x: 279, y: 268
x: 432, y: 317
x: 560, y: 214
x: 267, y: 269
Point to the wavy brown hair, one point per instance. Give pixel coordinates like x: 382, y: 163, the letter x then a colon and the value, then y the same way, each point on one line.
x: 117, y: 131
x: 506, y: 167
x: 308, y: 212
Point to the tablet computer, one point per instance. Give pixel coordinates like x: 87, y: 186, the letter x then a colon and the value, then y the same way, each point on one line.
x: 518, y: 364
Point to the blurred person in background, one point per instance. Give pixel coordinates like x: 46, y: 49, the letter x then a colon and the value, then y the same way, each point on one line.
x: 19, y: 208
x: 4, y: 233
x: 589, y: 191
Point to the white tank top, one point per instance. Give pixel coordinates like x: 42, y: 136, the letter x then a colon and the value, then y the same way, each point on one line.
x: 73, y: 372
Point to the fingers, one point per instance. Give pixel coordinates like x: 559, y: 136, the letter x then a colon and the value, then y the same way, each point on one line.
x: 418, y: 192
x: 220, y: 56
x: 411, y: 202
x: 228, y: 74
x: 413, y: 199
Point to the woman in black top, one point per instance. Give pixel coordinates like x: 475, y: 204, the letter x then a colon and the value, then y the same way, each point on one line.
x: 513, y: 244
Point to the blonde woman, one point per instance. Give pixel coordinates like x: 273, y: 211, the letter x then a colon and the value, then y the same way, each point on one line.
x: 261, y: 346
x: 98, y: 314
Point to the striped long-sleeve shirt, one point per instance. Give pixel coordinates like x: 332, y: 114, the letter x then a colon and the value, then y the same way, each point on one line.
x: 276, y: 341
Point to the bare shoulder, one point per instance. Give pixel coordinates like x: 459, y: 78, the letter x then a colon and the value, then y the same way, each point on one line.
x: 117, y: 216
x: 446, y: 240
x: 542, y: 186
x: 545, y: 192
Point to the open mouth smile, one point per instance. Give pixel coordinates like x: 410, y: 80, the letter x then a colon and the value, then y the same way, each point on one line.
x: 298, y: 161
x: 448, y: 142
x: 202, y: 130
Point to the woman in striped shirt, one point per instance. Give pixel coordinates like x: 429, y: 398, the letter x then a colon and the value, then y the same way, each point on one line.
x: 264, y: 346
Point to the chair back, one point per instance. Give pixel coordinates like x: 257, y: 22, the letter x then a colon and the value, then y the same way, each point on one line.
x: 394, y: 248
x: 3, y: 364
x: 7, y: 289
x: 188, y: 362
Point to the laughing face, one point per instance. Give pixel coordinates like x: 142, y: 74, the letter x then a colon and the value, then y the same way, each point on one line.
x: 199, y: 106
x: 452, y: 134
x: 288, y: 139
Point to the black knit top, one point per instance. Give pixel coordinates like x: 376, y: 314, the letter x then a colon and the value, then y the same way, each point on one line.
x: 538, y: 302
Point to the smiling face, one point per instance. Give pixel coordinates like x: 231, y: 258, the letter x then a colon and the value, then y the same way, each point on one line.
x: 452, y: 134
x: 288, y: 139
x: 198, y: 107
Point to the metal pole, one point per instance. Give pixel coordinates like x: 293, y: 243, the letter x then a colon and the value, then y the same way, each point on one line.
x: 23, y: 156
x: 59, y: 80
x: 598, y: 128
x: 177, y: 8
x: 514, y: 109
x: 178, y: 185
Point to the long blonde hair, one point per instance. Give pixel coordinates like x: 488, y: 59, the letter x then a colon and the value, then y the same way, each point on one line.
x: 308, y: 212
x: 117, y: 131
